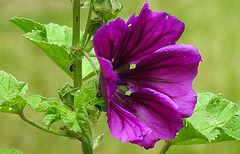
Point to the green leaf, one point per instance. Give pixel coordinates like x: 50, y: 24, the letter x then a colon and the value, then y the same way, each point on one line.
x: 88, y: 98
x: 87, y: 68
x: 13, y: 105
x: 83, y: 101
x: 97, y: 140
x: 27, y: 25
x: 214, y: 120
x: 11, y: 94
x: 54, y: 40
x: 58, y: 53
x: 55, y: 111
x: 11, y: 151
x: 61, y: 35
x: 66, y: 95
x: 10, y: 87
x: 89, y: 95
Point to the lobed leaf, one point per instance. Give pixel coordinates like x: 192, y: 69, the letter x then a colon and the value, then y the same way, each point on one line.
x: 214, y: 120
x: 55, y: 111
x: 27, y: 25
x: 61, y: 35
x: 54, y: 40
x: 58, y: 53
x: 66, y: 94
x: 13, y: 105
x: 90, y: 97
x: 12, y: 101
x: 11, y: 94
x: 10, y: 87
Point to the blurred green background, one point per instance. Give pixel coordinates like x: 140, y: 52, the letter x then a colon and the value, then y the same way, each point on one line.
x: 213, y: 26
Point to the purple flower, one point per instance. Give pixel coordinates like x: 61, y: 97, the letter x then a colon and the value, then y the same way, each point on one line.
x: 160, y: 83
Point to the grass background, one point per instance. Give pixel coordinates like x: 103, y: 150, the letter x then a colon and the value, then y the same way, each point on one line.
x: 213, y: 26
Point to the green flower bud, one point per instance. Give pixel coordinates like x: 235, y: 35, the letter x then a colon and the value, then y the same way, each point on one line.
x: 107, y: 9
x: 94, y: 25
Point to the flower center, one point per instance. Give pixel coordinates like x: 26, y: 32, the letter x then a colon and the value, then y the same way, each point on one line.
x: 124, y: 90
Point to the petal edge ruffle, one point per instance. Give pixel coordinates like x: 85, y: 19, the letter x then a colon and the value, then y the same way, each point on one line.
x: 153, y: 115
x: 147, y: 33
x: 107, y: 37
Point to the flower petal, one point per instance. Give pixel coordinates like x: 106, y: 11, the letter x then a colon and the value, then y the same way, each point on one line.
x: 107, y: 80
x: 146, y: 33
x: 107, y: 37
x: 123, y: 124
x: 170, y: 71
x: 143, y: 118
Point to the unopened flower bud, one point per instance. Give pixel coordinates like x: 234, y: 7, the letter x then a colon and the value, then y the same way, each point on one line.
x: 107, y: 9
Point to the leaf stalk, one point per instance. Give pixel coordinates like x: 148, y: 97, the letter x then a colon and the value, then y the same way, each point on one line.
x: 165, y: 147
x: 39, y: 126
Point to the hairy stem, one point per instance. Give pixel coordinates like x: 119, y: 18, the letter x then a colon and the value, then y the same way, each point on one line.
x: 76, y: 56
x: 39, y: 126
x: 76, y: 23
x: 76, y: 51
x: 165, y: 147
x: 77, y: 73
x: 87, y: 139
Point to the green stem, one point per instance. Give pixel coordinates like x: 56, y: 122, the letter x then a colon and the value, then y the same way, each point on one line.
x: 87, y: 24
x: 90, y: 76
x: 88, y: 39
x: 76, y: 56
x: 77, y: 73
x: 33, y: 123
x: 76, y: 23
x: 86, y: 145
x: 91, y: 62
x: 76, y: 51
x: 89, y: 47
x: 165, y: 147
x: 87, y: 139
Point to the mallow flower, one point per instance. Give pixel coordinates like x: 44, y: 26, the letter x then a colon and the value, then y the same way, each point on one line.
x: 146, y: 78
